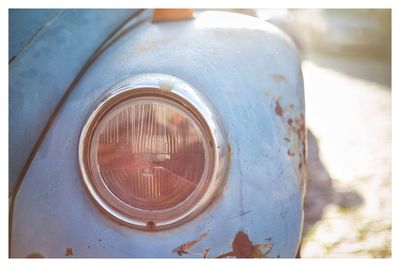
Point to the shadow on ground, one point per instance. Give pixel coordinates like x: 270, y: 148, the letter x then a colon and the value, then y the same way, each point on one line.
x: 320, y: 189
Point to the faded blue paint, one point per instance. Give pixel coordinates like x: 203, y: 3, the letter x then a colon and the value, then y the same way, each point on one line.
x: 24, y: 24
x: 233, y: 64
x: 46, y: 64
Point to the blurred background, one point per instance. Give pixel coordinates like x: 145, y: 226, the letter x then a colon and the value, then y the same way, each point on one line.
x: 346, y: 62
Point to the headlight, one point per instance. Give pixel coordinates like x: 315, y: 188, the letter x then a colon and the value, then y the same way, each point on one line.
x: 153, y: 154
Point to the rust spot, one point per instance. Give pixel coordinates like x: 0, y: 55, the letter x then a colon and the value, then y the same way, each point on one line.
x: 151, y: 226
x: 296, y: 131
x: 206, y: 251
x: 279, y: 78
x: 278, y: 108
x: 68, y: 252
x: 301, y: 132
x: 301, y: 123
x: 242, y: 247
x: 34, y: 255
x: 183, y: 249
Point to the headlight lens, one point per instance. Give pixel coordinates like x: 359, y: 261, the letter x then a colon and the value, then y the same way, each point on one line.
x: 149, y: 156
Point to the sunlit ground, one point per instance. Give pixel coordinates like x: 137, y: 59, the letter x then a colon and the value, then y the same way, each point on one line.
x: 348, y: 203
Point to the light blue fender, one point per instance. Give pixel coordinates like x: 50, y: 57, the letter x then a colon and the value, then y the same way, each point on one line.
x: 251, y: 73
x: 48, y: 48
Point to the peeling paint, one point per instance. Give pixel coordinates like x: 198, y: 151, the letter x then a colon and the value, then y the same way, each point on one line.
x: 295, y: 134
x: 183, y: 249
x: 206, y: 251
x: 295, y: 139
x: 68, y: 252
x: 242, y: 247
x: 278, y: 108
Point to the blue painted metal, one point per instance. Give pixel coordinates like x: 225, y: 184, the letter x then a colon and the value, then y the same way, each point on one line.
x: 45, y: 64
x: 24, y: 24
x: 251, y: 73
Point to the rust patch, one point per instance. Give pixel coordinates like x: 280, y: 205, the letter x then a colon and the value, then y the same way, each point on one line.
x: 278, y: 108
x: 183, y: 249
x: 68, y: 252
x: 279, y: 78
x: 34, y: 255
x: 206, y: 251
x: 296, y: 136
x: 242, y: 247
x: 301, y: 132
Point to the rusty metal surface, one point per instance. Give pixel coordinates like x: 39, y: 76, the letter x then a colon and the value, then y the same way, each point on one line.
x: 251, y: 73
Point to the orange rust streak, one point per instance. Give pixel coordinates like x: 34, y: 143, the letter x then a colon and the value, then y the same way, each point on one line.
x: 206, y: 251
x: 172, y: 14
x: 183, y: 249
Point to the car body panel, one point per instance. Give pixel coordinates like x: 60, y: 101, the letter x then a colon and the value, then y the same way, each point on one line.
x: 251, y: 73
x: 44, y: 65
x: 24, y: 24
